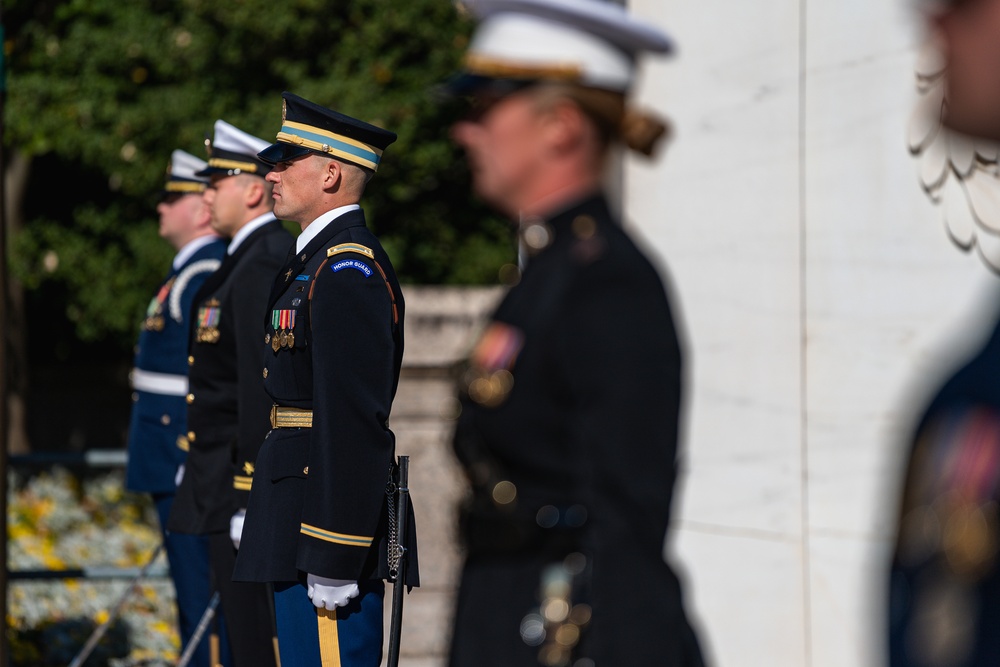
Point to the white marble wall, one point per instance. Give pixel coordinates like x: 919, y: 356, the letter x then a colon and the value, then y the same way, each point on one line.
x: 821, y: 297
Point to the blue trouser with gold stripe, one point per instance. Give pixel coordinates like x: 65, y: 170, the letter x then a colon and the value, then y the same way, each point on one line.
x: 351, y: 636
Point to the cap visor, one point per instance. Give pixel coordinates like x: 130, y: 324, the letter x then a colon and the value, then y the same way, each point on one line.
x: 208, y: 171
x: 282, y: 152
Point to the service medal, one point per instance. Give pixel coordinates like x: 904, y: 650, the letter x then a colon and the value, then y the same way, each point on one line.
x: 276, y: 325
x: 208, y: 322
x: 154, y: 311
x: 489, y: 379
x: 291, y: 340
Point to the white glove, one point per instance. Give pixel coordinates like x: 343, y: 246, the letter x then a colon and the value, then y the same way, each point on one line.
x: 179, y: 477
x: 236, y: 527
x: 330, y: 593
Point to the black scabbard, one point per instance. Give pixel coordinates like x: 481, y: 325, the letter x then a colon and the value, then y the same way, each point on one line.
x: 397, y: 561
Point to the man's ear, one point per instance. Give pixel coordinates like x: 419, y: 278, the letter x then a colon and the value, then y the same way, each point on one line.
x: 203, y: 215
x: 333, y: 175
x: 564, y: 125
x: 254, y: 193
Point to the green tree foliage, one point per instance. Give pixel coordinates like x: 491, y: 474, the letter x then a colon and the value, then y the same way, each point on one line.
x: 100, y: 92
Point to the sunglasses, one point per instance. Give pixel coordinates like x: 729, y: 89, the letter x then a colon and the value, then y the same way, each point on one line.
x: 479, y: 103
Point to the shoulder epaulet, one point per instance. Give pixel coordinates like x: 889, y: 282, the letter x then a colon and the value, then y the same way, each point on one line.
x: 185, y: 276
x: 350, y: 247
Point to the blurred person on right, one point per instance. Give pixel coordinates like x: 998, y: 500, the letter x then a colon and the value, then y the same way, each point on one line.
x: 944, y: 586
x: 571, y: 399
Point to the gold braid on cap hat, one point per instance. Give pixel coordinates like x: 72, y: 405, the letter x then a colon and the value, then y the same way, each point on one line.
x: 497, y: 68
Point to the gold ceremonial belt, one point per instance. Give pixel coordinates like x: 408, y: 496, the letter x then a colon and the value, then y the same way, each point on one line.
x: 282, y: 417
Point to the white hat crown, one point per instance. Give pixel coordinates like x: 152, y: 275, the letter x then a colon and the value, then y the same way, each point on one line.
x: 589, y: 42
x: 231, y: 138
x: 185, y: 166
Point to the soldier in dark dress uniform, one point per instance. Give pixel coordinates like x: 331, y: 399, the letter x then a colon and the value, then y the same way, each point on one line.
x: 332, y: 344
x: 160, y: 382
x: 570, y: 401
x: 944, y: 578
x: 944, y: 605
x: 227, y: 406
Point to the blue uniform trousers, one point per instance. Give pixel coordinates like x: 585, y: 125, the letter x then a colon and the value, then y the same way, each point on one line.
x: 351, y: 636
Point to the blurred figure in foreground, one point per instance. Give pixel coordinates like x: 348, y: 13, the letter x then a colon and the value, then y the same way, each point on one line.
x: 160, y: 383
x: 944, y: 603
x: 571, y: 399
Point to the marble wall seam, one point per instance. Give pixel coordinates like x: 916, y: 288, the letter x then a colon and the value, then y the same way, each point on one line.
x: 803, y: 334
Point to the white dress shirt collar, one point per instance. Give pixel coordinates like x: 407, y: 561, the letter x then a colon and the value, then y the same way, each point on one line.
x: 320, y: 223
x: 190, y: 248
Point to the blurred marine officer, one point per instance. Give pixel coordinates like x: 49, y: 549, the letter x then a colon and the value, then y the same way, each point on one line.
x: 160, y: 382
x: 570, y: 405
x: 333, y: 342
x: 944, y: 590
x: 227, y: 407
x: 944, y: 605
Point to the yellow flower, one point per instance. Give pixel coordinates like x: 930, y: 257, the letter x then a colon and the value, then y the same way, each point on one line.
x: 18, y: 531
x: 52, y: 561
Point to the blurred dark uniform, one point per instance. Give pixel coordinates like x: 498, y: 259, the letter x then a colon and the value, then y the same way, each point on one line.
x: 944, y: 603
x: 158, y: 419
x: 332, y: 346
x: 568, y: 429
x: 568, y: 432
x: 228, y: 412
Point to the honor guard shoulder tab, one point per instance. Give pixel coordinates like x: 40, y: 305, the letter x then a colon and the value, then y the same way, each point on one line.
x: 350, y: 247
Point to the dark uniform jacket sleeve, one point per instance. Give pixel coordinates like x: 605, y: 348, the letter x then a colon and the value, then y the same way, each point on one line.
x: 351, y: 448
x: 627, y: 392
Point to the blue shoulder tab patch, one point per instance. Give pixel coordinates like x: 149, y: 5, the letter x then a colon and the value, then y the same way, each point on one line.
x: 302, y: 276
x: 355, y: 264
